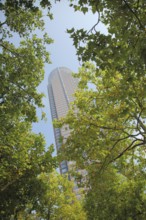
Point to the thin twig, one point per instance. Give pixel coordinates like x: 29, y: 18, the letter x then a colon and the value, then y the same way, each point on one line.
x: 93, y: 28
x: 136, y: 16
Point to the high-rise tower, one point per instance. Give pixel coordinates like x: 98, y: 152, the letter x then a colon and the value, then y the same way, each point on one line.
x: 61, y: 88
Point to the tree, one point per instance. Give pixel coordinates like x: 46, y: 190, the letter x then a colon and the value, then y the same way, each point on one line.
x: 22, y: 67
x: 119, y: 69
x: 124, y: 34
x: 115, y: 195
x: 23, y: 154
x: 58, y: 201
x: 22, y: 160
x: 111, y: 115
x: 107, y: 129
x: 107, y: 119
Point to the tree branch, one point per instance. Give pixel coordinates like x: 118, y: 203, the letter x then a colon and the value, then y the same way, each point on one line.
x: 133, y: 12
x: 11, y: 51
x: 1, y: 24
x: 130, y: 147
x: 140, y: 123
x: 8, y: 184
x: 93, y: 28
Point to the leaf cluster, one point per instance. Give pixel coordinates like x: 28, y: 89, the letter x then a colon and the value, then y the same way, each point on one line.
x: 23, y: 154
x: 107, y: 119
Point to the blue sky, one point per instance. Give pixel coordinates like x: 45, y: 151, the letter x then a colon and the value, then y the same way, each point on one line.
x: 62, y: 53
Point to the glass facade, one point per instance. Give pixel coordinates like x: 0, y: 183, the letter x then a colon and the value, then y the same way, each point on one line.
x: 61, y: 87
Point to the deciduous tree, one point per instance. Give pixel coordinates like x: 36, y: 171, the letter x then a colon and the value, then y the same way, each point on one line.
x: 23, y: 154
x: 57, y: 202
x: 107, y: 119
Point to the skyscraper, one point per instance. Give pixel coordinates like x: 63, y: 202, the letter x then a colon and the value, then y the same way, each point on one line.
x: 61, y: 87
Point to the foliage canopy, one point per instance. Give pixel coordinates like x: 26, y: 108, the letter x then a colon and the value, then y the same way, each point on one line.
x: 23, y: 154
x: 107, y: 120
